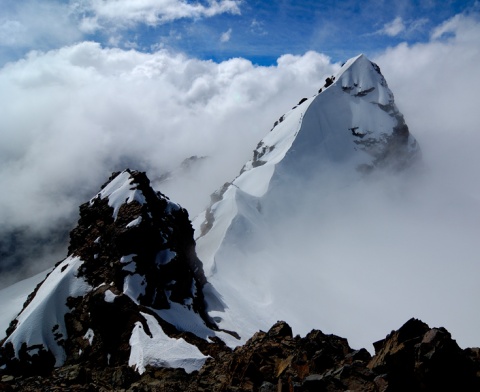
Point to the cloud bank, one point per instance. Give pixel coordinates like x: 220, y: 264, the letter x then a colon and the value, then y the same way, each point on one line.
x: 97, y: 14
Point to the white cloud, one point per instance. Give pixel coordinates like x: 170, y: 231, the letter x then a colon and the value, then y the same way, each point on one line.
x: 257, y: 27
x: 126, y: 13
x: 36, y: 24
x: 461, y: 26
x: 12, y: 32
x: 225, y: 37
x: 394, y: 27
x: 399, y: 27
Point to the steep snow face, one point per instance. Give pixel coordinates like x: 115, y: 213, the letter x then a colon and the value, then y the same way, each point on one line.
x: 350, y: 129
x: 13, y: 298
x: 41, y: 325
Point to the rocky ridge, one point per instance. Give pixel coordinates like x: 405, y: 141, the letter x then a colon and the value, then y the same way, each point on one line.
x: 414, y: 358
x: 131, y: 270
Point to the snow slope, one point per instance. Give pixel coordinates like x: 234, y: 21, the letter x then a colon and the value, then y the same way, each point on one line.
x: 42, y: 322
x: 13, y: 297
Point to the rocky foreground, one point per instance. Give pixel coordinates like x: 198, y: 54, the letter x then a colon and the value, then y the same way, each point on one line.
x: 413, y: 358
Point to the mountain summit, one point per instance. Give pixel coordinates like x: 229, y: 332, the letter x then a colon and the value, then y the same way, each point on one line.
x: 127, y: 292
x: 350, y: 130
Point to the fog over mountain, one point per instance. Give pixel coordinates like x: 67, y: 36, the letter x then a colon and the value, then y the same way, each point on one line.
x: 406, y: 246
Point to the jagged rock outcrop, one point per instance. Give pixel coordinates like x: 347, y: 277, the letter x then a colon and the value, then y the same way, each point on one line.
x: 131, y: 275
x: 413, y: 358
x: 419, y: 358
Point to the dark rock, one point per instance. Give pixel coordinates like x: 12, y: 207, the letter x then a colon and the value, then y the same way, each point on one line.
x: 302, y: 101
x: 267, y: 387
x: 414, y: 358
x: 314, y: 382
x: 281, y: 330
x: 417, y: 357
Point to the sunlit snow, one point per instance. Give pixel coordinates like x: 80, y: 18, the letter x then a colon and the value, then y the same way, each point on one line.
x: 161, y: 350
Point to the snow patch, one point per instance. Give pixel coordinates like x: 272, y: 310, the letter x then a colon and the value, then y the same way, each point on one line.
x: 130, y: 267
x: 134, y: 222
x: 120, y: 191
x: 164, y: 257
x: 89, y: 336
x: 109, y: 296
x: 134, y: 286
x: 13, y: 297
x: 160, y: 350
x: 127, y: 259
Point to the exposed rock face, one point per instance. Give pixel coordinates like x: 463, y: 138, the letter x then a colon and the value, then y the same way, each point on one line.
x: 155, y: 235
x: 131, y: 255
x: 414, y: 358
x: 419, y: 358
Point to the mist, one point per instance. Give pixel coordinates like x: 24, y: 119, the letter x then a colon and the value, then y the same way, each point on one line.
x: 360, y: 259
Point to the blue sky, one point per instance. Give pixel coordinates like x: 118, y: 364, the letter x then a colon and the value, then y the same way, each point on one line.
x: 260, y: 31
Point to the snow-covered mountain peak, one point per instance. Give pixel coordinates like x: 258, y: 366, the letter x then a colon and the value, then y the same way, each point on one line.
x: 352, y: 118
x: 360, y: 77
x: 131, y: 278
x: 348, y: 130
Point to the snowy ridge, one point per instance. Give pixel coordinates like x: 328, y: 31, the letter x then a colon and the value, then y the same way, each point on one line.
x: 349, y: 129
